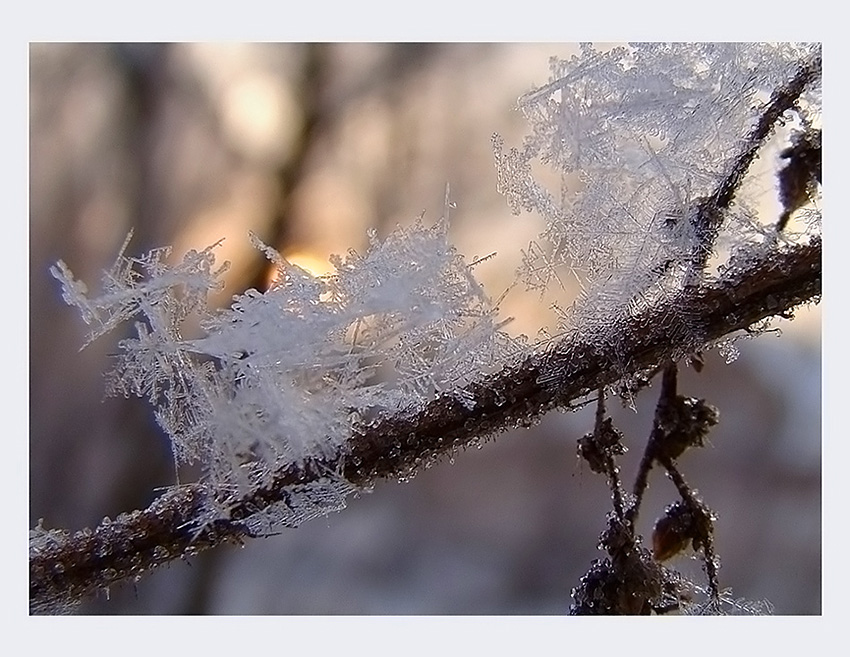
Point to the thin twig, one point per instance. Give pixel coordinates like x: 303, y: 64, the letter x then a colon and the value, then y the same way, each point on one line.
x: 710, y: 212
x: 697, y: 508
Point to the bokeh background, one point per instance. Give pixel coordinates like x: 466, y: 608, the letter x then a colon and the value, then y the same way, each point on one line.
x: 308, y: 146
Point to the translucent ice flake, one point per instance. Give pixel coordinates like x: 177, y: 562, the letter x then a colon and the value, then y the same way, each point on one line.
x: 702, y: 604
x: 41, y: 538
x: 302, y: 503
x: 145, y: 287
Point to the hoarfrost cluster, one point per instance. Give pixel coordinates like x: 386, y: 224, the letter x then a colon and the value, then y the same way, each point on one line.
x: 637, y: 136
x: 283, y: 376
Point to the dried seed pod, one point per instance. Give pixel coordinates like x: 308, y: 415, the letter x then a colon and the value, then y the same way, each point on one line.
x: 680, y: 525
x: 685, y: 422
x: 601, y: 445
x: 800, y: 177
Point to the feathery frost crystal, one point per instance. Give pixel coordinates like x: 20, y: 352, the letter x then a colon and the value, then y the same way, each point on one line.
x: 282, y: 376
x: 638, y: 135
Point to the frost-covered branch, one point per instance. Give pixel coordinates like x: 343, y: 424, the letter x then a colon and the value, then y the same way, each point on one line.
x: 709, y: 215
x: 293, y: 399
x: 64, y: 567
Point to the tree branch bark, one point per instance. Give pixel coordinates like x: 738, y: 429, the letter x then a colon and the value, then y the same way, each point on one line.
x: 64, y: 567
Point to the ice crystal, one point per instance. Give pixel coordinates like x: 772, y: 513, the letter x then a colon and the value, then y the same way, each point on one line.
x: 277, y: 378
x: 638, y: 135
x: 303, y: 502
x: 726, y: 605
